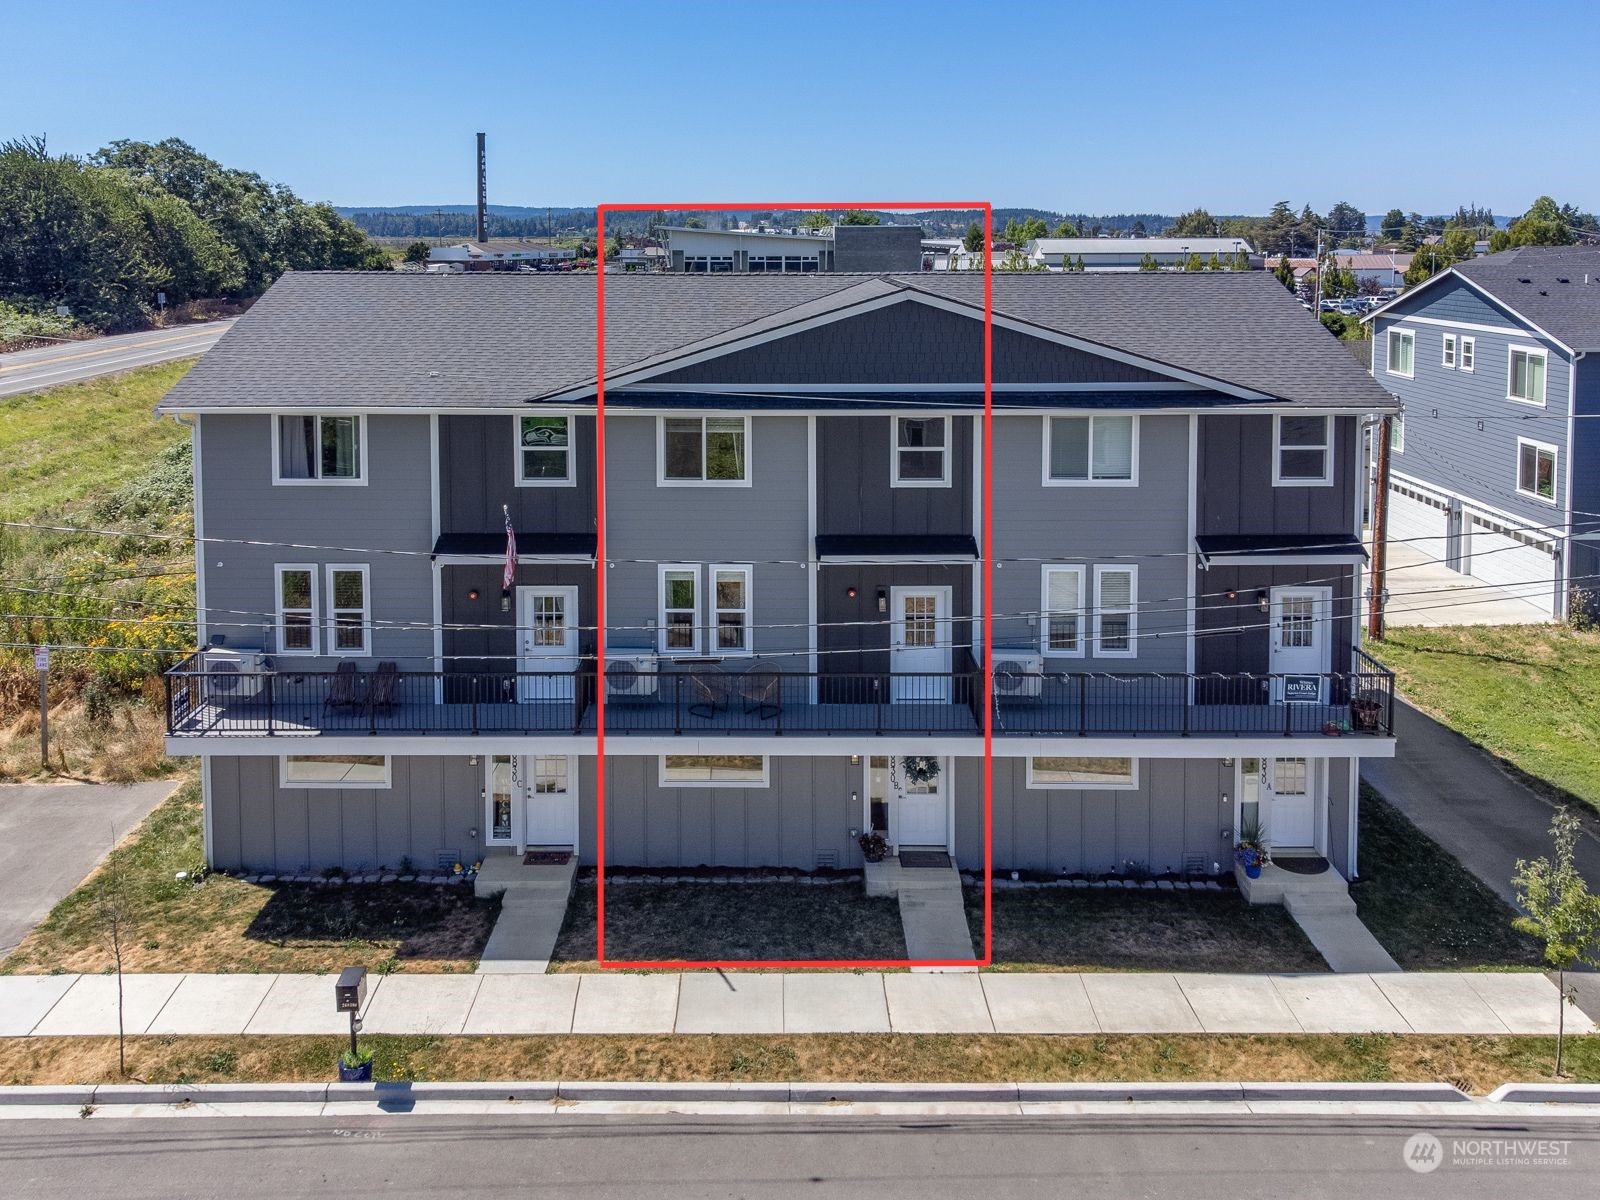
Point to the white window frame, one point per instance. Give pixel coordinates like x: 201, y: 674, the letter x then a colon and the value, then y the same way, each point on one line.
x: 1278, y: 479
x: 1100, y: 571
x: 1132, y: 786
x: 1397, y: 434
x: 945, y: 455
x: 343, y: 785
x: 1050, y: 480
x: 1046, y: 612
x: 510, y: 839
x: 663, y: 781
x: 693, y: 571
x: 278, y: 479
x: 1555, y: 467
x: 331, y: 641
x: 278, y: 571
x: 703, y: 418
x: 1467, y: 355
x: 1388, y: 352
x: 714, y: 611
x: 1544, y: 375
x: 1448, y: 352
x: 570, y: 479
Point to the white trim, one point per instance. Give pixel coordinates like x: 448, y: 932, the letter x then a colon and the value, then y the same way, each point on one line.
x: 208, y: 835
x: 661, y: 452
x: 1451, y: 273
x: 1192, y: 568
x: 360, y: 479
x: 197, y: 476
x: 1448, y: 351
x: 1388, y: 351
x: 946, y: 454
x: 331, y: 642
x: 663, y: 781
x: 1543, y: 356
x: 570, y: 479
x: 814, y: 583
x: 1045, y: 611
x: 489, y: 839
x: 1354, y: 806
x: 975, y: 578
x: 1266, y: 404
x: 438, y: 629
x: 434, y: 468
x: 310, y: 569
x: 1032, y: 785
x: 713, y: 626
x: 1049, y: 480
x: 825, y: 389
x: 1101, y: 611
x: 1326, y: 479
x: 1467, y: 355
x: 662, y: 570
x: 1555, y: 467
x: 333, y: 784
x: 1507, y: 330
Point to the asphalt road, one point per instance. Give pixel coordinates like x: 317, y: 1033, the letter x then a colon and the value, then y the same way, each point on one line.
x: 35, y: 370
x: 1189, y: 1156
x: 52, y: 835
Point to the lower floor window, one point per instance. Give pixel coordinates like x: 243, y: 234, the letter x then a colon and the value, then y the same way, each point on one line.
x: 502, y: 779
x: 1085, y: 772
x: 334, y: 770
x: 688, y: 770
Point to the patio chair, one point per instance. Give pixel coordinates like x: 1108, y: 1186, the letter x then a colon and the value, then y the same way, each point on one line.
x: 381, y: 689
x: 710, y: 688
x: 760, y: 686
x: 342, y: 688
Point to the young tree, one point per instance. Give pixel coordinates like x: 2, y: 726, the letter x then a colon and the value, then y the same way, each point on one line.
x: 1148, y: 263
x: 692, y: 222
x: 857, y: 217
x: 1560, y: 912
x: 973, y: 242
x: 1213, y: 263
x: 1285, y: 272
x: 113, y: 908
x: 1138, y: 229
x: 1241, y: 262
x: 417, y: 252
x: 1194, y: 263
x: 816, y: 220
x: 1064, y: 230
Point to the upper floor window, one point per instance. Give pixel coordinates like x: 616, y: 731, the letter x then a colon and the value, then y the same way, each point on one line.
x: 348, y: 615
x: 1469, y: 352
x: 730, y: 594
x: 1100, y: 450
x: 1525, y: 375
x: 1302, y: 451
x: 680, y: 610
x: 343, y: 595
x: 1116, y: 620
x: 1402, y: 348
x: 921, y: 452
x: 1063, y: 611
x: 704, y: 450
x: 544, y: 451
x: 319, y: 448
x: 1449, y: 359
x: 297, y: 608
x: 1536, y: 470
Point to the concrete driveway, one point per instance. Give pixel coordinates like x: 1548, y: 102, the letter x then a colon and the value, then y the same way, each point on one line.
x: 1423, y: 591
x: 52, y: 835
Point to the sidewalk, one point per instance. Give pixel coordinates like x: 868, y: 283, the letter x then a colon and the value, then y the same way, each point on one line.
x: 820, y: 1002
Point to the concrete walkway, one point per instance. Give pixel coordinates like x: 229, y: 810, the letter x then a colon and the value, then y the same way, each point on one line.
x: 53, y: 834
x: 933, y: 917
x: 1456, y: 795
x: 715, y: 1003
x: 533, y: 908
x: 1423, y: 591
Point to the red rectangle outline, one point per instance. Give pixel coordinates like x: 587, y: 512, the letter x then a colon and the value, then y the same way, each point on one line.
x: 988, y: 597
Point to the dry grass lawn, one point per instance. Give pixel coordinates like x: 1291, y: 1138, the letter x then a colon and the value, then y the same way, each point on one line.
x: 1477, y: 1064
x: 125, y: 747
x: 220, y: 924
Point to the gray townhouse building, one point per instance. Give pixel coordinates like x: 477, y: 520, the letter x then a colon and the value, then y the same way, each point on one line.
x: 1495, y: 460
x: 783, y: 569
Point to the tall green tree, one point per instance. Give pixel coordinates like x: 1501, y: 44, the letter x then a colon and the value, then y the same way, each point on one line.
x: 973, y: 241
x: 816, y: 220
x: 1197, y: 222
x: 1137, y: 230
x: 417, y: 252
x: 1285, y: 272
x: 857, y: 217
x: 1394, y: 224
x: 1544, y: 224
x: 1066, y: 229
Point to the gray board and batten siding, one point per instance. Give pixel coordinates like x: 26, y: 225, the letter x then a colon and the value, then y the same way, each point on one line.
x: 477, y: 464
x: 1236, y: 491
x: 855, y: 494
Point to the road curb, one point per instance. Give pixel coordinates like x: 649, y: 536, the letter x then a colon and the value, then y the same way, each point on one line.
x: 1364, y: 1093
x: 1546, y: 1093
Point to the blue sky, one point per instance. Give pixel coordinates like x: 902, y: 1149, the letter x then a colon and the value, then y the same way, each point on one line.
x: 1096, y: 108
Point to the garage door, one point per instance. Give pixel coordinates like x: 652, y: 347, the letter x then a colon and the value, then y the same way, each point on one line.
x: 1417, y: 518
x: 1516, y: 562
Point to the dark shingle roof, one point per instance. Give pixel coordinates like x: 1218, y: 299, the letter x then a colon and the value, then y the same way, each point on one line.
x: 1555, y: 287
x: 379, y: 340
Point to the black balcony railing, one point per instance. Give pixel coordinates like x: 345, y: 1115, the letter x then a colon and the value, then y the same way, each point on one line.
x: 754, y: 699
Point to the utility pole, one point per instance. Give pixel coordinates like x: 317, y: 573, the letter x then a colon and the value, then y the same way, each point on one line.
x: 1318, y: 307
x: 1380, y: 532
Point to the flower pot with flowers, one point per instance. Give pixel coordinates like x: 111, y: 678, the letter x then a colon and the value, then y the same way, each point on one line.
x: 874, y: 847
x: 355, y: 1066
x: 1250, y: 851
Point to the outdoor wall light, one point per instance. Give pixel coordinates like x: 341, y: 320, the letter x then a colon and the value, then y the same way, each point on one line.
x: 505, y: 602
x: 1231, y: 594
x: 850, y: 592
x: 1227, y: 762
x: 1263, y: 602
x: 473, y: 593
x: 855, y: 760
x: 472, y: 760
x: 883, y: 600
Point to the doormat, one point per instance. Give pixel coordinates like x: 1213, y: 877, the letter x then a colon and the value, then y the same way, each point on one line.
x: 547, y: 858
x: 1311, y: 864
x: 924, y: 858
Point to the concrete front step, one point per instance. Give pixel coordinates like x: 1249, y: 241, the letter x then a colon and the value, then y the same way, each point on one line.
x: 506, y: 872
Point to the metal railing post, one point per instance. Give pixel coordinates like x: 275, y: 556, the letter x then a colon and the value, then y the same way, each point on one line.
x: 1083, y: 705
x: 1288, y: 711
x: 272, y: 723
x: 877, y: 694
x: 1183, y: 699
x: 473, y: 703
x: 677, y: 702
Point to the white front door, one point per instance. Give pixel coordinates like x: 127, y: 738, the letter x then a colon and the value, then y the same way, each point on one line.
x: 919, y: 813
x: 1301, y: 643
x: 919, y: 645
x: 547, y: 636
x: 550, y: 801
x: 1289, y: 789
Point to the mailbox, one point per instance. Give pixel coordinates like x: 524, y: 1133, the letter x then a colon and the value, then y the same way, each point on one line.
x: 350, y: 991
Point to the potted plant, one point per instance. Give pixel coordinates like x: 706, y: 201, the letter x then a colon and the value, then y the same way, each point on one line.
x: 1250, y: 851
x: 1364, y: 712
x: 355, y: 1066
x: 874, y: 847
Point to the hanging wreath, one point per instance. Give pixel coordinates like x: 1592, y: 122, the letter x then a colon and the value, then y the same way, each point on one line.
x: 920, y: 768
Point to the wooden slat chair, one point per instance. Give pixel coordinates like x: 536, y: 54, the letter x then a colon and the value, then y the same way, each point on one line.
x: 343, y: 690
x: 381, y: 688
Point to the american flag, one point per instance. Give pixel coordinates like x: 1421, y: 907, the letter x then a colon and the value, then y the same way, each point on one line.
x: 510, y: 574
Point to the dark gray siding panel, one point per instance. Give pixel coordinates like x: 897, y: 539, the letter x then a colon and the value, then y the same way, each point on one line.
x: 475, y: 648
x: 477, y: 476
x: 908, y: 342
x: 806, y: 809
x: 1236, y: 492
x: 1339, y: 802
x: 853, y: 482
x: 855, y: 637
x: 1232, y: 635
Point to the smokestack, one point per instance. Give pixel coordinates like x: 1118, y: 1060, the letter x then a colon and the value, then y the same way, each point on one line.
x: 483, y: 196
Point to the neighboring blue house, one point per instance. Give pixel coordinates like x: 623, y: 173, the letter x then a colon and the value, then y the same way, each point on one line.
x: 1496, y: 459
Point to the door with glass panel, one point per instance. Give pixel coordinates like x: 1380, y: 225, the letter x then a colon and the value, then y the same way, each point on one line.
x: 919, y: 645
x: 547, y: 633
x: 550, y: 804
